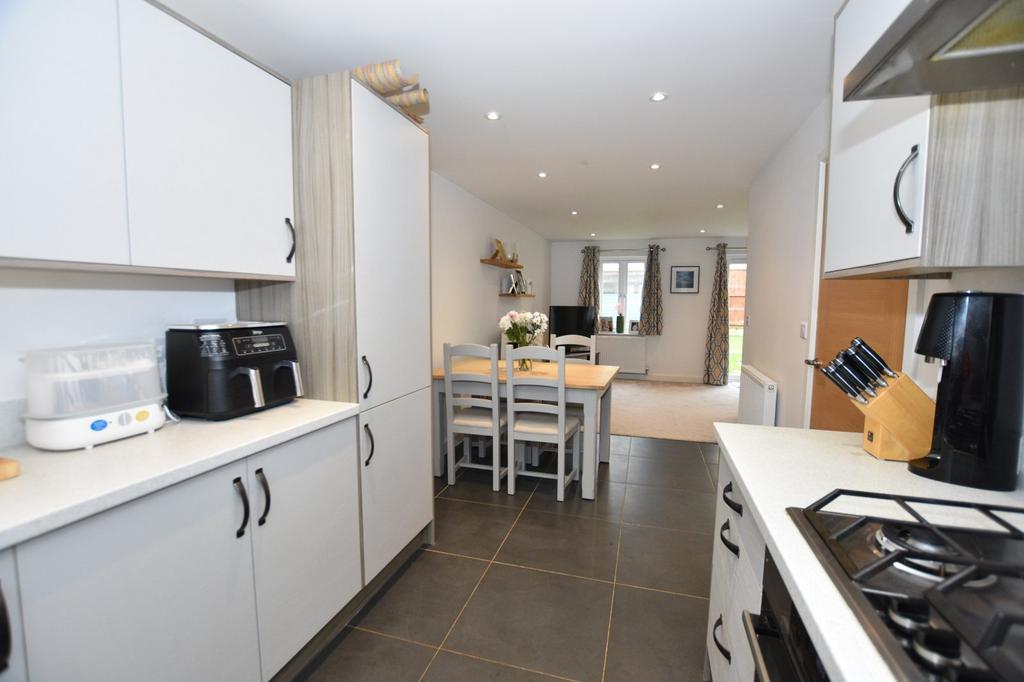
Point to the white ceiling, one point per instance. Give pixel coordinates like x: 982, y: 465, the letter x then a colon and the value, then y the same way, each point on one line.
x: 571, y: 79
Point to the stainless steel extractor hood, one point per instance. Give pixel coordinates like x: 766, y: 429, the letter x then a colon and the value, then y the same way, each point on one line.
x: 943, y: 46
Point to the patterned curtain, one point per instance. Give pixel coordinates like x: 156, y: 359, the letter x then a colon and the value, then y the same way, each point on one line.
x: 716, y: 353
x: 650, y: 301
x: 590, y: 282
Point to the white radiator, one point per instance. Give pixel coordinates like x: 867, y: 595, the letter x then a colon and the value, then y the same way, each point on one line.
x: 758, y: 394
x: 628, y: 352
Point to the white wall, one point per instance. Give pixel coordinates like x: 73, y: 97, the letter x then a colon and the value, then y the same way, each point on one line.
x: 47, y: 309
x: 678, y: 354
x: 464, y: 292
x: 781, y: 262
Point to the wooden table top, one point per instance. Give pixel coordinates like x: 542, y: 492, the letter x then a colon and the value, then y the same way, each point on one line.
x: 577, y: 375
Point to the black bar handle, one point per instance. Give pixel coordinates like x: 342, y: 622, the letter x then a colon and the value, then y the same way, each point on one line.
x: 732, y: 504
x: 900, y: 213
x: 262, y: 478
x: 6, y: 638
x: 291, y: 254
x: 714, y: 637
x: 240, y: 487
x: 732, y: 547
x: 373, y: 446
x: 369, y: 380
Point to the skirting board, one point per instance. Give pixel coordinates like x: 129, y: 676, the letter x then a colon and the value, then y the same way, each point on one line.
x: 669, y: 378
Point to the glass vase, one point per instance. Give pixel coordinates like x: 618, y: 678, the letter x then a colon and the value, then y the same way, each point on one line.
x: 524, y: 364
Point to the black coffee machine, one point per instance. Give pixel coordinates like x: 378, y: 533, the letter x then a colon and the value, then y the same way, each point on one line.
x: 220, y: 371
x: 979, y: 339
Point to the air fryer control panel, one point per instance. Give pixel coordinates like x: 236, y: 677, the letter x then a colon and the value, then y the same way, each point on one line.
x: 265, y: 343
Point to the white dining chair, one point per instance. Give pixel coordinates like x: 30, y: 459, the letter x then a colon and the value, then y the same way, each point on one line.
x: 473, y: 408
x: 589, y: 342
x: 536, y: 414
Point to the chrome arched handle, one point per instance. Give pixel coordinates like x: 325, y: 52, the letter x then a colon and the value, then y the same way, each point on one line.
x: 897, y: 202
x: 373, y: 446
x: 291, y: 254
x: 369, y: 378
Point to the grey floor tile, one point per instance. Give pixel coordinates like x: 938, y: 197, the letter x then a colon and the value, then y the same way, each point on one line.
x: 475, y: 485
x: 657, y: 447
x: 542, y: 621
x: 681, y: 509
x: 471, y: 529
x: 569, y: 544
x: 656, y: 636
x: 452, y: 667
x: 368, y: 657
x: 710, y: 452
x: 613, y: 470
x: 440, y: 483
x: 666, y: 560
x: 607, y: 502
x: 683, y: 472
x: 423, y: 600
x: 620, y: 445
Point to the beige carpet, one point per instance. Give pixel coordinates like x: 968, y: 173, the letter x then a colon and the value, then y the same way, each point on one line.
x: 657, y: 409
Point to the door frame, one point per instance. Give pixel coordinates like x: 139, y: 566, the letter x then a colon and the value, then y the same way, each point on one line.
x: 812, y: 323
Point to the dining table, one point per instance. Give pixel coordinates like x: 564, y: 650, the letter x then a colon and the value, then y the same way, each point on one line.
x: 586, y: 385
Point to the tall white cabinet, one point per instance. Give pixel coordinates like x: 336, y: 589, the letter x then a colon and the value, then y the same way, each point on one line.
x: 871, y: 142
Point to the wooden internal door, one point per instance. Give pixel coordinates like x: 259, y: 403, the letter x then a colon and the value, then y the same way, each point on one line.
x: 873, y: 309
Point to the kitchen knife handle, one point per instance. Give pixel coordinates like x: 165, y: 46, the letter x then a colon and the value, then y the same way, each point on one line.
x: 897, y: 202
x: 864, y: 367
x: 291, y: 254
x: 829, y: 370
x: 240, y: 487
x: 874, y: 357
x: 853, y: 377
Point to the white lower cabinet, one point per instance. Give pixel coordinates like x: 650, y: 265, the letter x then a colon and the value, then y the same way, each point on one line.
x: 396, y: 477
x: 12, y: 643
x: 156, y: 589
x: 305, y: 538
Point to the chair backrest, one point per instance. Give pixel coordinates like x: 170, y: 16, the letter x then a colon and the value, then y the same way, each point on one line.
x: 537, y: 390
x: 577, y: 340
x: 473, y: 389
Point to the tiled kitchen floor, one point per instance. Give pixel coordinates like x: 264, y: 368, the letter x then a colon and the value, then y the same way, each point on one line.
x: 525, y: 588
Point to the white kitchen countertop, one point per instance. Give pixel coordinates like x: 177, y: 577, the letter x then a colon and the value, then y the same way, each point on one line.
x: 776, y: 468
x: 58, y: 488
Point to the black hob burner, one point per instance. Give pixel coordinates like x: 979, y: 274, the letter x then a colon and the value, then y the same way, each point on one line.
x: 938, y: 585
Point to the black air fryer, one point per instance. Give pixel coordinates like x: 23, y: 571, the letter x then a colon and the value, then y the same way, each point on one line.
x: 220, y: 371
x: 979, y: 408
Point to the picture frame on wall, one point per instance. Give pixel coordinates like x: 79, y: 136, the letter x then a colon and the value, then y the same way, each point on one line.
x: 684, y: 279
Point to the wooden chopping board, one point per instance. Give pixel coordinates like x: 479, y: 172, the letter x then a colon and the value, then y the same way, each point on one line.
x: 9, y: 468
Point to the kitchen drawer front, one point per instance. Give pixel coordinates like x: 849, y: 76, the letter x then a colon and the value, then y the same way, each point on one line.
x: 722, y: 670
x: 742, y: 531
x: 746, y: 596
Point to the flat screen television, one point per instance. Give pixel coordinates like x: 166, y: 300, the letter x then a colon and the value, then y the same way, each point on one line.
x: 571, y: 319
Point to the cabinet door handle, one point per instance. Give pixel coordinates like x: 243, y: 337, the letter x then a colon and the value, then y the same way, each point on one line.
x: 714, y: 637
x: 373, y: 446
x: 897, y: 202
x: 5, y: 634
x: 262, y: 478
x: 240, y: 487
x: 291, y: 254
x: 732, y: 504
x: 732, y: 547
x: 369, y: 377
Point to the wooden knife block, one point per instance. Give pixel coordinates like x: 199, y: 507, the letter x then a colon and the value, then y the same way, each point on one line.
x: 9, y: 468
x: 898, y: 423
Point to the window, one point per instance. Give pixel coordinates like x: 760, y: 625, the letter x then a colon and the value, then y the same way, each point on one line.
x: 622, y: 285
x: 737, y: 311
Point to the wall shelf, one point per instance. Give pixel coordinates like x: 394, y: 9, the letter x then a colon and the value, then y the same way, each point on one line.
x: 509, y: 265
x: 518, y: 295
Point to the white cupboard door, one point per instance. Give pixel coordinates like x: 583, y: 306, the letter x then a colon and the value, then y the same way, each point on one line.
x: 159, y: 588
x: 396, y: 477
x: 871, y: 140
x: 61, y: 154
x: 391, y: 208
x: 10, y: 621
x: 305, y: 537
x: 208, y: 151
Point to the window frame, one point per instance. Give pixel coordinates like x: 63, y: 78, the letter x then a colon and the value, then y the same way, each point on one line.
x: 623, y: 286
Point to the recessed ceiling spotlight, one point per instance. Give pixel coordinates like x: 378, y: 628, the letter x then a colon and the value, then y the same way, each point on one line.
x: 659, y: 96
x: 574, y: 212
x: 493, y: 115
x: 703, y: 231
x: 655, y: 166
x: 593, y: 234
x: 720, y: 206
x: 542, y: 174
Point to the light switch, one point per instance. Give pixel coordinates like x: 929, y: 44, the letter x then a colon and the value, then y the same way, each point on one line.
x: 803, y: 330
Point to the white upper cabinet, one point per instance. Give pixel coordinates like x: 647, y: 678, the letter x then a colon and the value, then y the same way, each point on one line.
x: 61, y: 153
x: 391, y: 209
x: 208, y: 151
x: 871, y: 141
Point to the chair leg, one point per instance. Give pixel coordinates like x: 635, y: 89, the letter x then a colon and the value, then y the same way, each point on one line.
x: 513, y: 453
x: 496, y: 462
x: 576, y: 456
x: 534, y: 455
x: 451, y: 457
x: 560, y: 490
